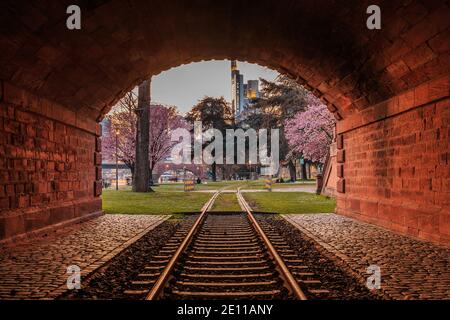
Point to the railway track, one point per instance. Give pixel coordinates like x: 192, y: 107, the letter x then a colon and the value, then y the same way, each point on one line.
x: 223, y: 255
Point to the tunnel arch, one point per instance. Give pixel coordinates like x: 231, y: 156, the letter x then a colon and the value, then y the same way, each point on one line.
x: 325, y: 45
x: 372, y: 80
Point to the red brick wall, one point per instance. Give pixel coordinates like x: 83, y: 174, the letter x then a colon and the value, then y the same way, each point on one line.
x: 396, y: 170
x: 47, y: 164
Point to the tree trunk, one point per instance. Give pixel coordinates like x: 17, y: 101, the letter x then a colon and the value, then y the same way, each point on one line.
x: 213, y: 170
x: 292, y: 172
x: 141, y: 170
x: 309, y: 170
x: 223, y: 172
x: 132, y: 171
x: 150, y: 178
x: 304, y: 175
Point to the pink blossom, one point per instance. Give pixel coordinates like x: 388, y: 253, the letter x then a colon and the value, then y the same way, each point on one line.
x: 310, y: 132
x: 163, y: 120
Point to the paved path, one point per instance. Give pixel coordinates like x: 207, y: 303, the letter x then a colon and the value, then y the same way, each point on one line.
x: 303, y: 188
x: 410, y: 269
x: 37, y: 269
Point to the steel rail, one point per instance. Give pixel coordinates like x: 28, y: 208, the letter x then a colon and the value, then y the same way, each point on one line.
x: 165, y: 274
x: 278, y: 260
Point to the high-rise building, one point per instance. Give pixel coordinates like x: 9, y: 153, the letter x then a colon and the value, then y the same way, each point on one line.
x: 252, y: 89
x: 245, y: 95
x: 241, y: 94
x: 237, y: 89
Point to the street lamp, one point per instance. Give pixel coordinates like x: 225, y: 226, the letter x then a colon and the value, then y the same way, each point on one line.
x: 117, y: 159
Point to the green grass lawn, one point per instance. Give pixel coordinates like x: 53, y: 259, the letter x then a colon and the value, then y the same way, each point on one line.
x: 171, y: 199
x: 230, y: 185
x: 169, y: 187
x: 226, y: 202
x: 289, y: 202
x: 260, y: 183
x: 160, y: 202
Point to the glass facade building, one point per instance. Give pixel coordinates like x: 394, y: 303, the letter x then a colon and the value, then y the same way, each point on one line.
x: 241, y: 93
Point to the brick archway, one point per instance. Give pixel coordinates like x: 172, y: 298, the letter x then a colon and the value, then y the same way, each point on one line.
x: 389, y: 89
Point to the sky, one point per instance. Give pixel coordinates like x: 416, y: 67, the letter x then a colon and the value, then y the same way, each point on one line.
x: 185, y: 85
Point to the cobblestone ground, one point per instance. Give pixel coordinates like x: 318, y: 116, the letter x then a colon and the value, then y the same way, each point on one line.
x: 37, y: 269
x: 410, y: 269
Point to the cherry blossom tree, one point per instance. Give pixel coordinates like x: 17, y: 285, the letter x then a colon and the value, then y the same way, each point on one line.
x: 310, y: 132
x: 163, y: 120
x: 122, y: 122
x: 280, y: 100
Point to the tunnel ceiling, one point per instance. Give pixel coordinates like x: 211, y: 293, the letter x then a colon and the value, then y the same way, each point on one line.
x: 323, y: 44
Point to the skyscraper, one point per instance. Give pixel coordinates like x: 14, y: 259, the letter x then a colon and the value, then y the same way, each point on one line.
x: 252, y: 89
x: 237, y: 89
x: 241, y: 94
x: 245, y: 95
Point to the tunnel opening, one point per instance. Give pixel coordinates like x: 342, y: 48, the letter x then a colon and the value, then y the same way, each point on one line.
x: 258, y: 99
x: 388, y: 89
